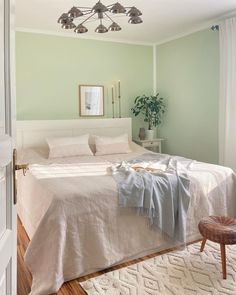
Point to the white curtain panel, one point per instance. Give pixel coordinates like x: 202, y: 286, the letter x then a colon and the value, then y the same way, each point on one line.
x: 227, y: 108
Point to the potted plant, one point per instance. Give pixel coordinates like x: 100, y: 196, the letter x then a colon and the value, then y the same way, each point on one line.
x: 152, y: 108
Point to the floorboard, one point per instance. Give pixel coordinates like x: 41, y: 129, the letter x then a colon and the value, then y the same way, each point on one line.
x: 24, y: 278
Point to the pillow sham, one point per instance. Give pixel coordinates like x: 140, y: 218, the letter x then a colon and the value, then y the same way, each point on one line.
x: 112, y: 145
x: 69, y: 146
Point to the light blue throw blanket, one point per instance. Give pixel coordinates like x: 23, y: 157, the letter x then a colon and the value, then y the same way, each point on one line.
x: 162, y: 195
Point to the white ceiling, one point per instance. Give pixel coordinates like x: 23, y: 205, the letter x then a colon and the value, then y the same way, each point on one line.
x: 162, y: 19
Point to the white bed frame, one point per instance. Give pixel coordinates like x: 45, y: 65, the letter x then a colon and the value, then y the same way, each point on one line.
x: 33, y: 133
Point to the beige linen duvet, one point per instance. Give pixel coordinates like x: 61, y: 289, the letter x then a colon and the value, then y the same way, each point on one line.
x: 69, y: 208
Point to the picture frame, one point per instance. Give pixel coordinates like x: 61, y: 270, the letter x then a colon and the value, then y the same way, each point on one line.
x: 91, y: 100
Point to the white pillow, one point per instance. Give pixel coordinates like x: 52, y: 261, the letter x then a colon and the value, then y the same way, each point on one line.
x: 112, y: 145
x: 69, y: 146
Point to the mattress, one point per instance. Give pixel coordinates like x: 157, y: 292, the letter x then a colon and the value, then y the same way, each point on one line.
x: 69, y: 208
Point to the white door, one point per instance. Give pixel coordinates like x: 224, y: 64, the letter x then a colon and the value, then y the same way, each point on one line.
x: 7, y: 118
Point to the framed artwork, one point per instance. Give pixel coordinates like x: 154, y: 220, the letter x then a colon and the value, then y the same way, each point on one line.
x: 91, y: 100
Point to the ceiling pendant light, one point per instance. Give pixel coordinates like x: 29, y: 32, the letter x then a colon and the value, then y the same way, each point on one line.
x: 68, y: 25
x: 75, y: 12
x: 99, y: 11
x: 64, y: 18
x: 135, y: 20
x: 114, y: 27
x: 99, y: 7
x: 80, y: 29
x: 101, y: 29
x: 118, y: 8
x: 133, y: 12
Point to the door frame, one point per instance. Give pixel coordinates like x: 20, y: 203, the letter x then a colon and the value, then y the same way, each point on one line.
x: 9, y: 238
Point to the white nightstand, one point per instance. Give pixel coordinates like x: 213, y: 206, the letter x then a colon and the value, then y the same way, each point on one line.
x: 153, y: 144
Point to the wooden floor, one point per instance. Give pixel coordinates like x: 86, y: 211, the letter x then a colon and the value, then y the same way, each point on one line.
x: 71, y: 288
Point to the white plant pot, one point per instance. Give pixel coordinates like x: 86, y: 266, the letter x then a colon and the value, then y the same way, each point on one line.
x: 149, y: 134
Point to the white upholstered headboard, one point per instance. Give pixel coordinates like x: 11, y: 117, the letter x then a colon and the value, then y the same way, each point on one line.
x: 33, y: 133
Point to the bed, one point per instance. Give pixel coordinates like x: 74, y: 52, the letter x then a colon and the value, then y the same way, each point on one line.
x: 70, y: 211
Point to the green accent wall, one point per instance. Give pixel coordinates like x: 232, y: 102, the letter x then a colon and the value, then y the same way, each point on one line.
x: 50, y: 68
x: 188, y: 77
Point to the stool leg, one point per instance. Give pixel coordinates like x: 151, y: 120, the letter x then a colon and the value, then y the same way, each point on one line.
x: 223, y: 260
x: 203, y: 244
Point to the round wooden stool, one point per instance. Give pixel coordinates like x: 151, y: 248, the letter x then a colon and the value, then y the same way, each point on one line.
x: 218, y: 229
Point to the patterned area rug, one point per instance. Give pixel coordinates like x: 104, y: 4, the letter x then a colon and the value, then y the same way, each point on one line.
x: 186, y: 272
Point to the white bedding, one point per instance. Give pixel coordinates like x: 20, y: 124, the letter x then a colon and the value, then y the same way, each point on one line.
x: 69, y: 208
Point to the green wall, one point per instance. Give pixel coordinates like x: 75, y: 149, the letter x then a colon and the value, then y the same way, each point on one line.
x: 188, y: 77
x: 50, y: 68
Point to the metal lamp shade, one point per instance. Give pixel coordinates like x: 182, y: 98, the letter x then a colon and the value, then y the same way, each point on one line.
x: 64, y: 18
x: 69, y: 25
x: 118, y: 8
x: 101, y: 29
x: 135, y: 20
x: 114, y: 27
x: 99, y: 7
x: 133, y: 12
x: 75, y: 12
x: 80, y: 29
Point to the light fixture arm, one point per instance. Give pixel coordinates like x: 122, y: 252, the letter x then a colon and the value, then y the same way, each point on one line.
x: 88, y: 18
x: 108, y: 17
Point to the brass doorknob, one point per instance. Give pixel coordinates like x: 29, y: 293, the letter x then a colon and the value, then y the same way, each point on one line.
x: 16, y: 167
x: 23, y: 167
